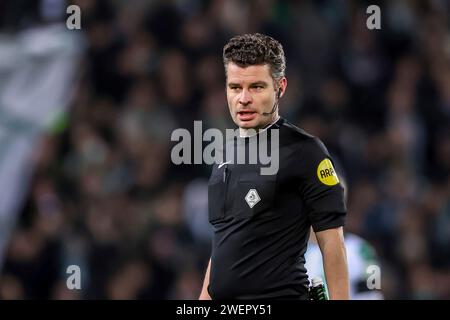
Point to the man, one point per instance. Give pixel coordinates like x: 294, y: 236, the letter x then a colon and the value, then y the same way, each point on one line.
x: 261, y: 222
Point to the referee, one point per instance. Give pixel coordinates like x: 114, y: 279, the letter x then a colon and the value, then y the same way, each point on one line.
x: 261, y: 223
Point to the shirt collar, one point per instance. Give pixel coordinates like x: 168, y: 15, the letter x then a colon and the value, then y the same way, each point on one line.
x: 246, y: 133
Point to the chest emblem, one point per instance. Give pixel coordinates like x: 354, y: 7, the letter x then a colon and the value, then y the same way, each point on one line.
x: 252, y: 198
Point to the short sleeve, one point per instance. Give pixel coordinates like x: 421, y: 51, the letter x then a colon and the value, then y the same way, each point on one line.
x: 320, y: 188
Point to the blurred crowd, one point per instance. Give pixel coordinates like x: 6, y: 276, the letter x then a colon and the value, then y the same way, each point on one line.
x: 105, y: 195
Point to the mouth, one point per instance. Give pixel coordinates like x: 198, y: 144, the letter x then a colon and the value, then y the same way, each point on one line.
x: 246, y: 115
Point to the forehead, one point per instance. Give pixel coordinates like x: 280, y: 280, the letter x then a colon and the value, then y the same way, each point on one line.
x: 249, y: 74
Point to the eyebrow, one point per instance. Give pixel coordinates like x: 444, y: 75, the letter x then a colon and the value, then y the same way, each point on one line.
x: 259, y: 83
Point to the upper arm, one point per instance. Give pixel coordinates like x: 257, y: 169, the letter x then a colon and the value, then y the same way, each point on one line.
x: 320, y: 189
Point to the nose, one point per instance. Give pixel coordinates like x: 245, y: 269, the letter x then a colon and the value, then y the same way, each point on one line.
x: 245, y: 98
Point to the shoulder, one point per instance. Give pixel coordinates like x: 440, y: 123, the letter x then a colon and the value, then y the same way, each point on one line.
x: 302, y: 139
x: 307, y: 148
x: 290, y: 130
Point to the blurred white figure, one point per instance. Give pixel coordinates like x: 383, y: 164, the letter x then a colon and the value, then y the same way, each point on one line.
x: 360, y: 255
x: 38, y: 73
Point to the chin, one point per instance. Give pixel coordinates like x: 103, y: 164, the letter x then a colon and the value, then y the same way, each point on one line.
x: 247, y: 124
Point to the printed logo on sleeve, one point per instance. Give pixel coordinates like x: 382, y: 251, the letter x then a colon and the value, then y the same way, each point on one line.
x: 326, y: 173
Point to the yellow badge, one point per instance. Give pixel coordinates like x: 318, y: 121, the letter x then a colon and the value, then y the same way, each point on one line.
x: 326, y: 173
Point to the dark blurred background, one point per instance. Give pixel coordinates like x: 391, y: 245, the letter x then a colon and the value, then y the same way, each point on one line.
x: 90, y: 182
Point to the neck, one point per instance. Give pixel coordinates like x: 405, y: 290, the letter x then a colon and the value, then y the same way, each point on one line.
x: 252, y: 131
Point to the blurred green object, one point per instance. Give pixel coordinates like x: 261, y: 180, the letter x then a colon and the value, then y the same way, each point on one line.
x: 59, y: 124
x: 318, y: 290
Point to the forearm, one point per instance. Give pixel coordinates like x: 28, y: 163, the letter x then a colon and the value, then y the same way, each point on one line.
x: 331, y: 243
x: 336, y: 272
x: 204, y: 295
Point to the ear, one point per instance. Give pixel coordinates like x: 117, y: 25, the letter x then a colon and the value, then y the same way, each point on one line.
x: 282, y: 87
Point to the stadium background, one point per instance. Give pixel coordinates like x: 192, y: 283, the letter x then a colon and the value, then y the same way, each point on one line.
x: 98, y: 188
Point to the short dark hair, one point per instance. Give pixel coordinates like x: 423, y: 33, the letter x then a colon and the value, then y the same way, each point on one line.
x: 256, y: 49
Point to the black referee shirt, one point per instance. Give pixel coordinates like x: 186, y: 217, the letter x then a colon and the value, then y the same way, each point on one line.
x: 261, y: 222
